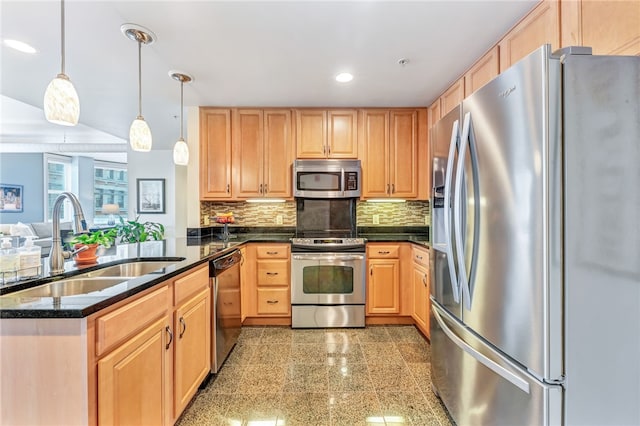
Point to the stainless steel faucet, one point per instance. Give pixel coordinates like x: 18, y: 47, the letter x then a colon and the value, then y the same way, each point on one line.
x: 57, y: 255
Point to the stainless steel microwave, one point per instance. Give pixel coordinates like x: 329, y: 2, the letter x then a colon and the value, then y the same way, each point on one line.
x: 327, y: 179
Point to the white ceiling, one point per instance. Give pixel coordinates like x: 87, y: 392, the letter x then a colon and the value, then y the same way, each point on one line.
x: 240, y: 53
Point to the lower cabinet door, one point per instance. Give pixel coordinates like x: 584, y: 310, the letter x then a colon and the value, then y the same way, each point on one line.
x: 134, y: 379
x: 193, y: 348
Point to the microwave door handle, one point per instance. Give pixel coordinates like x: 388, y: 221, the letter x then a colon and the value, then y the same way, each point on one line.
x: 342, y: 183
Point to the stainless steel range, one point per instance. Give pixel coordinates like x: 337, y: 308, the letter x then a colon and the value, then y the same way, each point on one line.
x: 327, y: 282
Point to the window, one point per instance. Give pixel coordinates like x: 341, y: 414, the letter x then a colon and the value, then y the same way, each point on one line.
x: 110, y: 186
x: 57, y: 180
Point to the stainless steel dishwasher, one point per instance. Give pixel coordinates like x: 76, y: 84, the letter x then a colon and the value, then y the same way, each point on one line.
x: 226, y: 318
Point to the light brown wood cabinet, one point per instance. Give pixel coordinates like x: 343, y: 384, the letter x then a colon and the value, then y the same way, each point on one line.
x: 389, y: 145
x: 608, y: 27
x: 421, y: 289
x: 540, y: 26
x: 452, y: 97
x: 134, y: 377
x: 268, y: 285
x: 383, y: 279
x: 153, y: 352
x: 326, y: 133
x: 263, y: 152
x: 482, y: 72
x: 215, y: 153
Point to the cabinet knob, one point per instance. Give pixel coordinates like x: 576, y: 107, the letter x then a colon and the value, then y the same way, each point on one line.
x: 272, y: 302
x: 424, y: 279
x: 393, y: 188
x: 383, y: 252
x: 228, y: 188
x: 260, y: 189
x: 265, y: 189
x: 272, y: 252
x: 388, y: 189
x: 272, y: 273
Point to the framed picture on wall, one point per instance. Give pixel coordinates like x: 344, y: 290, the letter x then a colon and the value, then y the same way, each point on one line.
x: 150, y: 196
x: 11, y: 197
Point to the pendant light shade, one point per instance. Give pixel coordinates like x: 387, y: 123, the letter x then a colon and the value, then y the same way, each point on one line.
x: 139, y: 134
x: 181, y: 153
x: 181, y: 149
x: 61, y: 103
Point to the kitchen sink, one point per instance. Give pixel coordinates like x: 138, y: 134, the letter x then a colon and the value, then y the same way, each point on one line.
x: 70, y: 287
x: 130, y: 269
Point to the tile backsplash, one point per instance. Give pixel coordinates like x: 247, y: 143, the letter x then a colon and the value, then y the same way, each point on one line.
x: 410, y: 213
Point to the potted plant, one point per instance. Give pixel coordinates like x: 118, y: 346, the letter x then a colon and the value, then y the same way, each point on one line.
x: 132, y: 231
x: 92, y: 240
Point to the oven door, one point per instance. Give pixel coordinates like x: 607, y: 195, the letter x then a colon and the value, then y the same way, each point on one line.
x: 327, y: 278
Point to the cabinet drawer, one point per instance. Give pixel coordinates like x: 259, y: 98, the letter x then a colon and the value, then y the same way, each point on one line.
x: 191, y: 284
x: 276, y: 251
x: 273, y: 272
x: 420, y: 256
x: 116, y: 326
x: 382, y: 251
x: 274, y: 301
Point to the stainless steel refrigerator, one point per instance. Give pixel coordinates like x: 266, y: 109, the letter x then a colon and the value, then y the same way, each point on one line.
x: 536, y: 263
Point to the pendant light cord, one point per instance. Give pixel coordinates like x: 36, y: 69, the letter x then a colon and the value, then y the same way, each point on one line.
x: 62, y: 33
x: 181, y: 105
x: 139, y: 78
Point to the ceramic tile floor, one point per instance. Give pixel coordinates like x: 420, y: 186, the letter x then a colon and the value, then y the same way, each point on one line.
x: 378, y: 375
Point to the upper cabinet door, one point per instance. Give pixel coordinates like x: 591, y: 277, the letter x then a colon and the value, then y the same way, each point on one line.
x: 540, y: 26
x: 215, y: 153
x: 247, y: 153
x: 482, y: 72
x: 342, y: 134
x: 403, y: 153
x: 279, y: 153
x: 326, y: 134
x: 374, y: 153
x: 608, y: 27
x: 452, y: 97
x: 311, y: 133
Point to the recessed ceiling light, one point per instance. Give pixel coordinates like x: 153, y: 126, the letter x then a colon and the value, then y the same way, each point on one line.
x: 19, y: 46
x: 344, y: 77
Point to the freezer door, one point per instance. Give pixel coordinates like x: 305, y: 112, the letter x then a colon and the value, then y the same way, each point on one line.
x: 479, y: 386
x: 507, y: 205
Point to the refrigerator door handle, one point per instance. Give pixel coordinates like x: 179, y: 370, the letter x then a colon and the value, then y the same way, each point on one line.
x: 455, y: 130
x: 457, y: 212
x: 496, y: 368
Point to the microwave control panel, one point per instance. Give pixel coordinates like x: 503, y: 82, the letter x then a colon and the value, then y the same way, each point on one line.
x: 351, y: 181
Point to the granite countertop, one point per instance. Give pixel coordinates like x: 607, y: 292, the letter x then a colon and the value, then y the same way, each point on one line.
x: 186, y: 253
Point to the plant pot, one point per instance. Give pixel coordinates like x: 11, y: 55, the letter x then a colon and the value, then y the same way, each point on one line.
x: 86, y: 257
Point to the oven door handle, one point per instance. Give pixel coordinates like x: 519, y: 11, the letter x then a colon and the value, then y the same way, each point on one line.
x: 345, y: 257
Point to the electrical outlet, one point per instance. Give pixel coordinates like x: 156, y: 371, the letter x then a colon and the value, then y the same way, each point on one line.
x: 279, y: 219
x: 206, y: 220
x: 426, y: 220
x: 376, y: 219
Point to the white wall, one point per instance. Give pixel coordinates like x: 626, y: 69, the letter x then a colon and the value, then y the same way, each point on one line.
x: 156, y: 164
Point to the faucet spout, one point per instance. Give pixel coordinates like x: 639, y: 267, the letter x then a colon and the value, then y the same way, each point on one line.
x: 57, y: 255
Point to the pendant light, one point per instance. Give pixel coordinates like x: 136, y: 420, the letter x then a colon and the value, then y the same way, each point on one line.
x: 181, y: 149
x: 139, y: 133
x: 61, y: 103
